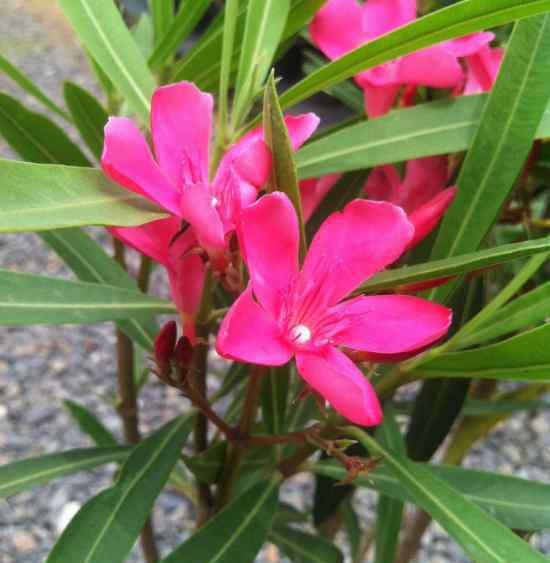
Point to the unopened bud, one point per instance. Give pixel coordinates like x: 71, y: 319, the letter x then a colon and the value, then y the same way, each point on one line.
x: 165, y: 343
x: 183, y: 354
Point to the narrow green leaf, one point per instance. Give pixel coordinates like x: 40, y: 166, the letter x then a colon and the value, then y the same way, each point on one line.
x: 88, y: 115
x: 283, y: 175
x: 525, y: 357
x: 517, y: 503
x: 237, y: 532
x: 35, y: 137
x: 105, y: 35
x: 265, y: 23
x: 144, y: 34
x: 507, y: 128
x: 301, y: 547
x: 483, y: 538
x: 107, y: 526
x: 30, y: 299
x: 37, y: 197
x: 187, y: 18
x: 455, y: 265
x: 90, y: 424
x: 27, y: 473
x: 162, y: 14
x: 460, y: 19
x: 30, y: 87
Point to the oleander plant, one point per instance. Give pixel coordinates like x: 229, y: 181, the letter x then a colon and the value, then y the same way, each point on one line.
x: 368, y: 279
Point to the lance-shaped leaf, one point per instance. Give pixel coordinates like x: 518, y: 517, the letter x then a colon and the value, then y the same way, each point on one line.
x: 237, y: 532
x: 30, y: 299
x: 89, y: 424
x: 456, y: 265
x: 483, y: 538
x: 502, y: 143
x: 188, y: 16
x: 88, y: 115
x: 283, y: 175
x: 525, y: 357
x: 30, y: 87
x: 517, y: 503
x: 107, y: 526
x: 27, y: 473
x: 162, y: 13
x: 460, y: 19
x: 37, y: 197
x: 104, y: 34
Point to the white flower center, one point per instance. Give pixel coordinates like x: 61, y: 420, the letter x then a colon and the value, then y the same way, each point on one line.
x: 300, y: 334
x: 214, y: 201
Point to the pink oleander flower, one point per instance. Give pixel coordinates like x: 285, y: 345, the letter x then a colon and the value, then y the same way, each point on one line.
x: 342, y: 25
x: 483, y: 68
x: 178, y: 180
x: 285, y: 312
x: 313, y: 190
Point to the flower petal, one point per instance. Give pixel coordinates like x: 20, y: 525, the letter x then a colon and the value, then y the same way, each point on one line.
x: 268, y: 235
x: 353, y: 244
x: 181, y: 126
x: 338, y: 28
x: 382, y: 16
x: 469, y: 44
x: 483, y: 70
x: 341, y: 383
x: 424, y: 179
x: 313, y: 190
x: 379, y: 99
x: 128, y: 161
x: 427, y: 216
x: 383, y: 184
x: 301, y: 127
x: 249, y: 334
x: 198, y: 208
x: 434, y: 66
x: 390, y: 324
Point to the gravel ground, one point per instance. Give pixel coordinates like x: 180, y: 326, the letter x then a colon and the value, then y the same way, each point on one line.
x: 41, y: 366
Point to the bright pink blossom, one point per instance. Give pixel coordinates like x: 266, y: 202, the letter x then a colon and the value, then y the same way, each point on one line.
x: 178, y: 179
x: 483, y: 68
x: 313, y: 190
x: 342, y: 25
x: 286, y: 312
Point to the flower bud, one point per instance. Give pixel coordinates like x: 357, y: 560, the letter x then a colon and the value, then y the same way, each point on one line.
x: 183, y: 354
x: 165, y: 342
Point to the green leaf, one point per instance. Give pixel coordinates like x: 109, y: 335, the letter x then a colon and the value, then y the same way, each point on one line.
x: 90, y: 424
x: 283, y: 174
x: 30, y: 299
x: 143, y: 34
x: 265, y: 23
x: 189, y: 15
x: 301, y: 547
x: 27, y: 473
x: 30, y: 87
x: 35, y: 137
x: 88, y: 115
x: 37, y: 197
x: 520, y: 504
x: 460, y: 19
x: 105, y: 35
x: 107, y: 526
x: 507, y: 128
x: 274, y: 398
x: 483, y: 538
x: 455, y: 265
x: 162, y: 14
x: 237, y: 532
x: 525, y: 357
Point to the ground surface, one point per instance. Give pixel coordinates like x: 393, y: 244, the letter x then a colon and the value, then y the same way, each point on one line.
x: 41, y: 366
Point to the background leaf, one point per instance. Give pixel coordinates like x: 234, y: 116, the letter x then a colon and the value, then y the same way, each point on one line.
x: 90, y: 424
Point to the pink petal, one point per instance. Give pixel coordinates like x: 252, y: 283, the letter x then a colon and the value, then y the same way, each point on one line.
x: 383, y: 184
x: 483, y: 68
x: 301, y: 127
x: 352, y: 245
x: 139, y: 239
x: 379, y: 99
x: 268, y: 236
x: 249, y: 334
x: 198, y: 207
x: 128, y: 161
x: 338, y: 28
x: 181, y: 126
x: 341, y: 383
x: 254, y: 163
x: 390, y: 324
x: 427, y: 216
x: 313, y: 191
x: 424, y: 179
x: 382, y: 16
x: 469, y: 44
x: 433, y: 66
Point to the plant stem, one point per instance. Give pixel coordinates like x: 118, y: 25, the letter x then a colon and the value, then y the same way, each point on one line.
x: 128, y: 410
x: 144, y: 273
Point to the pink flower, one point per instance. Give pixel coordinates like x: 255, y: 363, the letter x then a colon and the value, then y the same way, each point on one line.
x: 313, y: 190
x: 286, y: 312
x: 342, y: 25
x: 483, y: 68
x: 164, y: 242
x: 178, y: 181
x: 422, y: 194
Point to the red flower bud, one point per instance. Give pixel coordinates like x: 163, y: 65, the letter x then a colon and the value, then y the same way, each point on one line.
x: 184, y: 353
x: 165, y: 343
